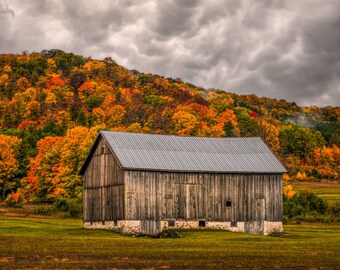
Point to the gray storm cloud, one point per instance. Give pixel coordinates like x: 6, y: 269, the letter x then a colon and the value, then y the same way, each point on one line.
x: 280, y: 49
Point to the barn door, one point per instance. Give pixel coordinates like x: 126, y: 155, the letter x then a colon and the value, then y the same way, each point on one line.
x: 191, y: 203
x: 260, y: 215
x: 256, y: 226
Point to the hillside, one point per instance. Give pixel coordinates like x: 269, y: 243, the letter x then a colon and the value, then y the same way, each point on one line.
x: 53, y: 103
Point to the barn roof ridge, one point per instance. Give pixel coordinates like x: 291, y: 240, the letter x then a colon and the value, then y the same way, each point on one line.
x: 157, y: 152
x: 179, y: 136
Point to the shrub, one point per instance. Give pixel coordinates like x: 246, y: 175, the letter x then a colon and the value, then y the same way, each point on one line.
x: 316, y: 174
x: 334, y: 209
x: 72, y: 206
x: 302, y: 204
x: 285, y: 219
x: 170, y: 234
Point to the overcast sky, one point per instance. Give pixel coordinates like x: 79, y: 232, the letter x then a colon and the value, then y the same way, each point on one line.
x: 274, y: 48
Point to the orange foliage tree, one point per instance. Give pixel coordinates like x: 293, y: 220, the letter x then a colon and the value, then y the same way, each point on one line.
x: 8, y: 164
x: 326, y: 161
x: 228, y: 121
x: 54, y: 171
x: 44, y: 169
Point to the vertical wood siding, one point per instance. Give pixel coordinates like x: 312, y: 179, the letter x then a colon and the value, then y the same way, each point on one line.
x: 103, y: 187
x: 170, y: 195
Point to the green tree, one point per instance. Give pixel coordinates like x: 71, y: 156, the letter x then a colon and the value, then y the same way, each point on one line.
x: 300, y: 141
x: 248, y: 125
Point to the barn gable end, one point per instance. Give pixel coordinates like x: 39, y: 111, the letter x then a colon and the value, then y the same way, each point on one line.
x: 103, y: 182
x: 142, y: 184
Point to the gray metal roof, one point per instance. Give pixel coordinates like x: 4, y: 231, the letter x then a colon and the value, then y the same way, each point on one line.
x: 191, y: 154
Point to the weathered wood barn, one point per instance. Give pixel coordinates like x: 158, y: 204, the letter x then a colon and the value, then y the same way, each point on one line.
x: 142, y: 184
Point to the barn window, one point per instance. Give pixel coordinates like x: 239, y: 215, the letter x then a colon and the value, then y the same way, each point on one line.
x: 228, y: 203
x: 103, y: 222
x: 233, y: 224
x: 102, y: 150
x: 115, y: 223
x: 201, y: 223
x: 171, y: 223
x: 108, y: 203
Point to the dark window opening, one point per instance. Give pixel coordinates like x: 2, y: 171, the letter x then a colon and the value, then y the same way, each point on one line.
x: 108, y: 203
x: 233, y: 224
x: 201, y: 223
x: 103, y: 222
x: 115, y: 223
x: 228, y: 203
x: 171, y: 223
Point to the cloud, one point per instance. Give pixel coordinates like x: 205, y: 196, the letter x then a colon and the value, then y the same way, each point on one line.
x: 280, y: 49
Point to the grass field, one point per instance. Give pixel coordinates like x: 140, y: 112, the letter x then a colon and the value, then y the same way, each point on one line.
x: 329, y: 191
x: 27, y: 242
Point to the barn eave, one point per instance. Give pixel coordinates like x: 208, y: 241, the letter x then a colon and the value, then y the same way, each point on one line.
x: 201, y: 172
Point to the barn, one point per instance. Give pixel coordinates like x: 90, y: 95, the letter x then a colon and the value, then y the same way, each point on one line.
x: 145, y: 183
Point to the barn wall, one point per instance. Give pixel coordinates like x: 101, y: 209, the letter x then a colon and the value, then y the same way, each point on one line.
x: 103, y: 187
x: 170, y: 195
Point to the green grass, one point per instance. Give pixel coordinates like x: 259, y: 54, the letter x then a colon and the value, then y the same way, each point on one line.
x: 329, y: 191
x: 27, y: 242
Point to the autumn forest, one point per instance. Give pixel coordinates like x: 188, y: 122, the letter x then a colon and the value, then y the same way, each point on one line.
x: 53, y: 103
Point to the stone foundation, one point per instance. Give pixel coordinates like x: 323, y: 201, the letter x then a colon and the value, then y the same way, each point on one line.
x: 226, y: 226
x: 194, y: 224
x: 133, y: 227
x: 272, y: 227
x: 126, y: 227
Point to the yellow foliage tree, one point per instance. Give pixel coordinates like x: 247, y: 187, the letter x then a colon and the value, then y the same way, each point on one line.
x: 8, y: 163
x: 7, y: 69
x: 288, y: 191
x: 23, y: 83
x: 94, y: 65
x: 33, y: 110
x: 269, y: 132
x: 135, y: 127
x: 286, y: 177
x: 212, y: 131
x: 301, y: 176
x: 4, y: 80
x: 184, y: 123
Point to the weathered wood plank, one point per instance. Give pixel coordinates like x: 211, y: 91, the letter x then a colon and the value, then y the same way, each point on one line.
x: 103, y: 183
x: 195, y: 196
